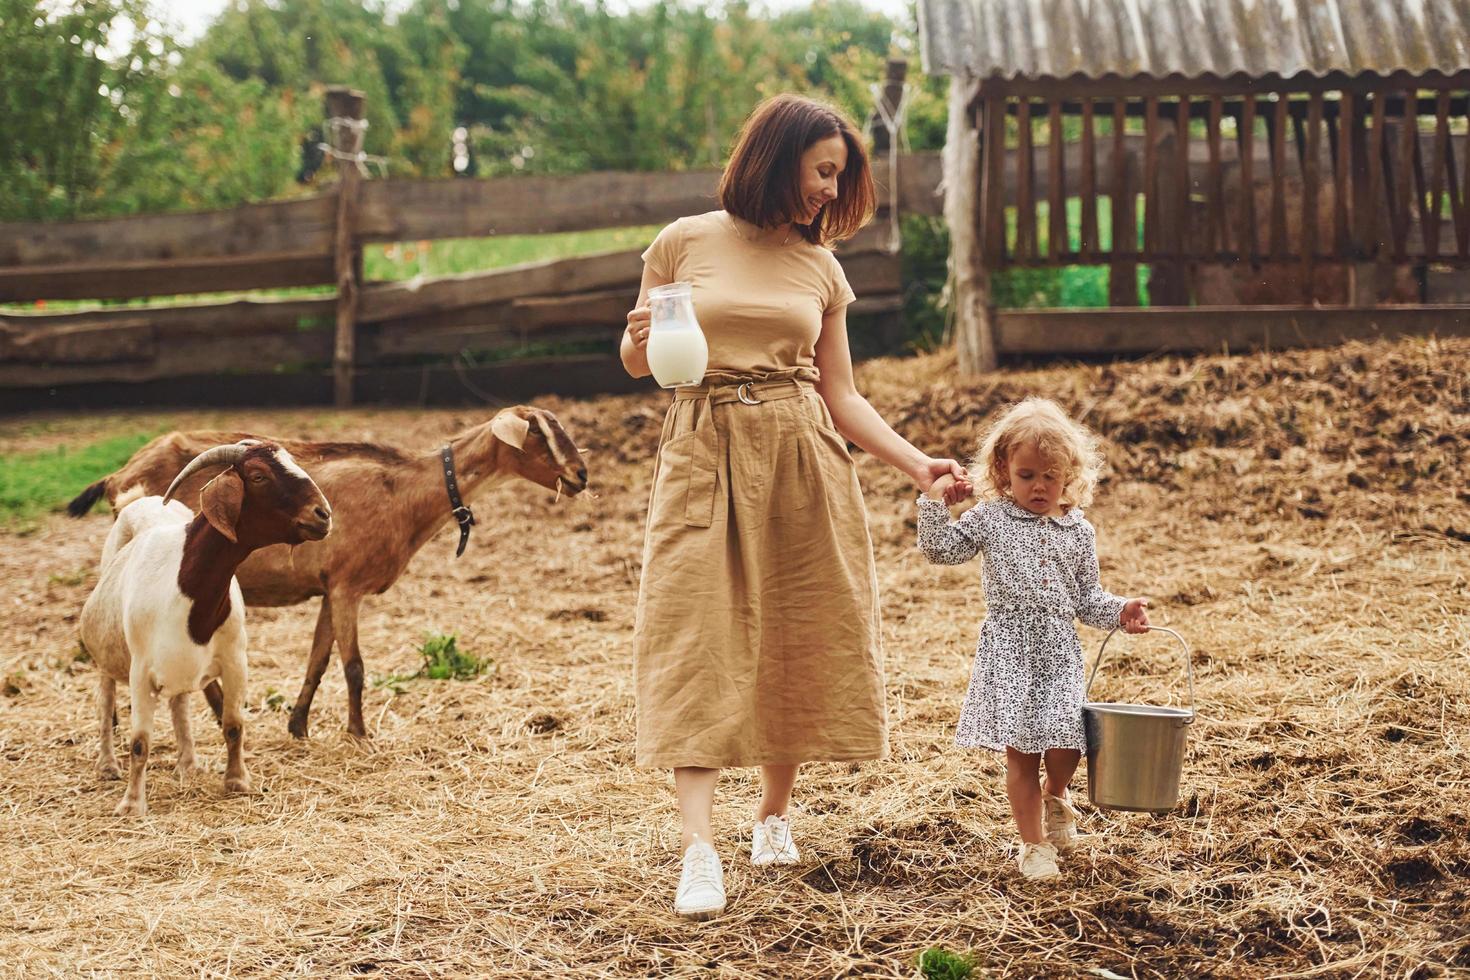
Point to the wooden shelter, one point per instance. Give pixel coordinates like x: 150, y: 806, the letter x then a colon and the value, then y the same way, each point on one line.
x: 1279, y: 164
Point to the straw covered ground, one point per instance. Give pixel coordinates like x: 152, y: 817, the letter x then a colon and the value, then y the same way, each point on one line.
x: 1301, y: 518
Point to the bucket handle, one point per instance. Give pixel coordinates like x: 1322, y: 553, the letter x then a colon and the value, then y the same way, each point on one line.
x: 1188, y: 664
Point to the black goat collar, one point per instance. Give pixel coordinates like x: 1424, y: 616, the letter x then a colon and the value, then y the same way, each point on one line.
x: 461, y: 513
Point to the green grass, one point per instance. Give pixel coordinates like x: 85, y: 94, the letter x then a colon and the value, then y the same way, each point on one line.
x: 452, y: 256
x: 443, y: 661
x: 938, y: 963
x: 32, y: 484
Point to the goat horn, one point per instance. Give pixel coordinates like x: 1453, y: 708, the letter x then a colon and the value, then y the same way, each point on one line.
x: 227, y: 455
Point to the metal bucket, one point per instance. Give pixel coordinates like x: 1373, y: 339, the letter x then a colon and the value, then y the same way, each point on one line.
x: 1135, y: 752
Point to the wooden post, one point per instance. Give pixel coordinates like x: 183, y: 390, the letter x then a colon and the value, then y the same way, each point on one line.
x: 973, y: 186
x: 1311, y: 187
x: 1245, y: 134
x: 1150, y: 178
x: 1277, y: 123
x: 1344, y: 168
x: 1025, y: 184
x: 344, y: 130
x: 1436, y: 183
x: 1123, y: 270
x: 892, y: 96
x: 1168, y: 283
x: 1089, y: 244
x: 1219, y: 234
x: 993, y: 193
x: 1374, y: 238
x: 1057, y: 243
x: 979, y: 354
x: 886, y: 142
x: 1402, y: 215
x: 1462, y: 229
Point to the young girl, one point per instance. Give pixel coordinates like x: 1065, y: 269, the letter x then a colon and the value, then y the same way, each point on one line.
x: 1036, y: 470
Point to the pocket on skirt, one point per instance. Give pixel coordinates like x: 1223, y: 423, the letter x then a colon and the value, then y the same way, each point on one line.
x: 684, y: 491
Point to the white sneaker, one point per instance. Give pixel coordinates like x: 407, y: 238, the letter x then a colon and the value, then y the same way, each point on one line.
x: 1038, y: 860
x: 701, y: 893
x: 1059, y: 820
x: 771, y: 843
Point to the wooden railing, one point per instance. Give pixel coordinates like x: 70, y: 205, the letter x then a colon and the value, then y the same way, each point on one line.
x: 400, y: 332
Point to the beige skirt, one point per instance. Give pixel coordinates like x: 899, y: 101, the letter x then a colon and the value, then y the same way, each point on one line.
x: 757, y: 638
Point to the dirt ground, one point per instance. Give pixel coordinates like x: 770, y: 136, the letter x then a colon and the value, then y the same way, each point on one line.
x: 1301, y: 518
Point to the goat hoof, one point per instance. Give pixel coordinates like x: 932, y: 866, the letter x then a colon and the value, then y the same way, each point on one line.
x: 132, y: 808
x: 298, y: 729
x: 188, y: 770
x: 108, y: 771
x: 237, y: 784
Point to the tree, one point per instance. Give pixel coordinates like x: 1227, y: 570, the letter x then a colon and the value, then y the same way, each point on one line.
x: 105, y: 115
x: 70, y: 103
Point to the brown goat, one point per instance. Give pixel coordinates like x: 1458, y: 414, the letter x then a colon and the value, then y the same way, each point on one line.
x: 385, y: 505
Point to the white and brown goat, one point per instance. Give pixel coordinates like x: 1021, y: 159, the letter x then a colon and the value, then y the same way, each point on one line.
x: 386, y: 504
x: 167, y: 616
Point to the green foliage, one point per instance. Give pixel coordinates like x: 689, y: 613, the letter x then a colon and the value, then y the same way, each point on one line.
x: 33, y: 483
x: 443, y: 660
x: 938, y: 963
x: 1083, y: 286
x: 925, y: 278
x: 70, y: 105
x: 407, y: 70
x: 542, y: 86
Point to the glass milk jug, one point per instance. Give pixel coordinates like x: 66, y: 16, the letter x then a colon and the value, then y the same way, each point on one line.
x: 677, y: 352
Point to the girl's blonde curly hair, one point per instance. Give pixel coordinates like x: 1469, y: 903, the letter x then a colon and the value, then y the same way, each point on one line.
x: 1069, y: 446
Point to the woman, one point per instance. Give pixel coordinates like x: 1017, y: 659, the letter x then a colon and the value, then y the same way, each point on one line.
x: 757, y: 638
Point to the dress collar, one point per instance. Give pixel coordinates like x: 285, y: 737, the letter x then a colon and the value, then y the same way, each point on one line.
x: 1020, y: 513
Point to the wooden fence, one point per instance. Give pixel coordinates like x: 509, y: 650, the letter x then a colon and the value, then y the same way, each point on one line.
x: 405, y: 342
x: 402, y: 339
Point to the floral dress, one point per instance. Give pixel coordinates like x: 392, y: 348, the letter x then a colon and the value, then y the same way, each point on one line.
x: 1040, y: 574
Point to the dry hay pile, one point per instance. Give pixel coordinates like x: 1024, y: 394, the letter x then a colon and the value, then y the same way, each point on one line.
x: 1299, y: 517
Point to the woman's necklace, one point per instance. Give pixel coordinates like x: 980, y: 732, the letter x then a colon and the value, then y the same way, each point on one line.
x: 735, y: 223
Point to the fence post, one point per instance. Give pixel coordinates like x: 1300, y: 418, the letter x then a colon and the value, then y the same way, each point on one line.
x: 974, y: 210
x: 345, y: 129
x: 891, y: 96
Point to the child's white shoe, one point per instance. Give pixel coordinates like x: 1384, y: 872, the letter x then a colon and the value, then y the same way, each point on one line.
x: 1059, y: 820
x: 701, y: 893
x: 1038, y: 861
x: 771, y: 843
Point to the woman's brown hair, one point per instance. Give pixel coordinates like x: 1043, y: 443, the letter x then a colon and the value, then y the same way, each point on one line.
x: 762, y: 181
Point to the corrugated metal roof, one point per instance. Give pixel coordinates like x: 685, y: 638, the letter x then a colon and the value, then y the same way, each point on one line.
x: 1193, y: 38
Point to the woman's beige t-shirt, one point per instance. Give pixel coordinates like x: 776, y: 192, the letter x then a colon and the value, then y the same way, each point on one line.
x: 761, y: 306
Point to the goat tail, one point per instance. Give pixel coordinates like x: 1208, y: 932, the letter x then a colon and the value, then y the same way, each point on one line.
x: 86, y: 499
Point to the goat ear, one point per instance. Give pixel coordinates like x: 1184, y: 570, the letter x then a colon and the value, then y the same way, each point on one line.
x: 220, y: 502
x: 510, y: 429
